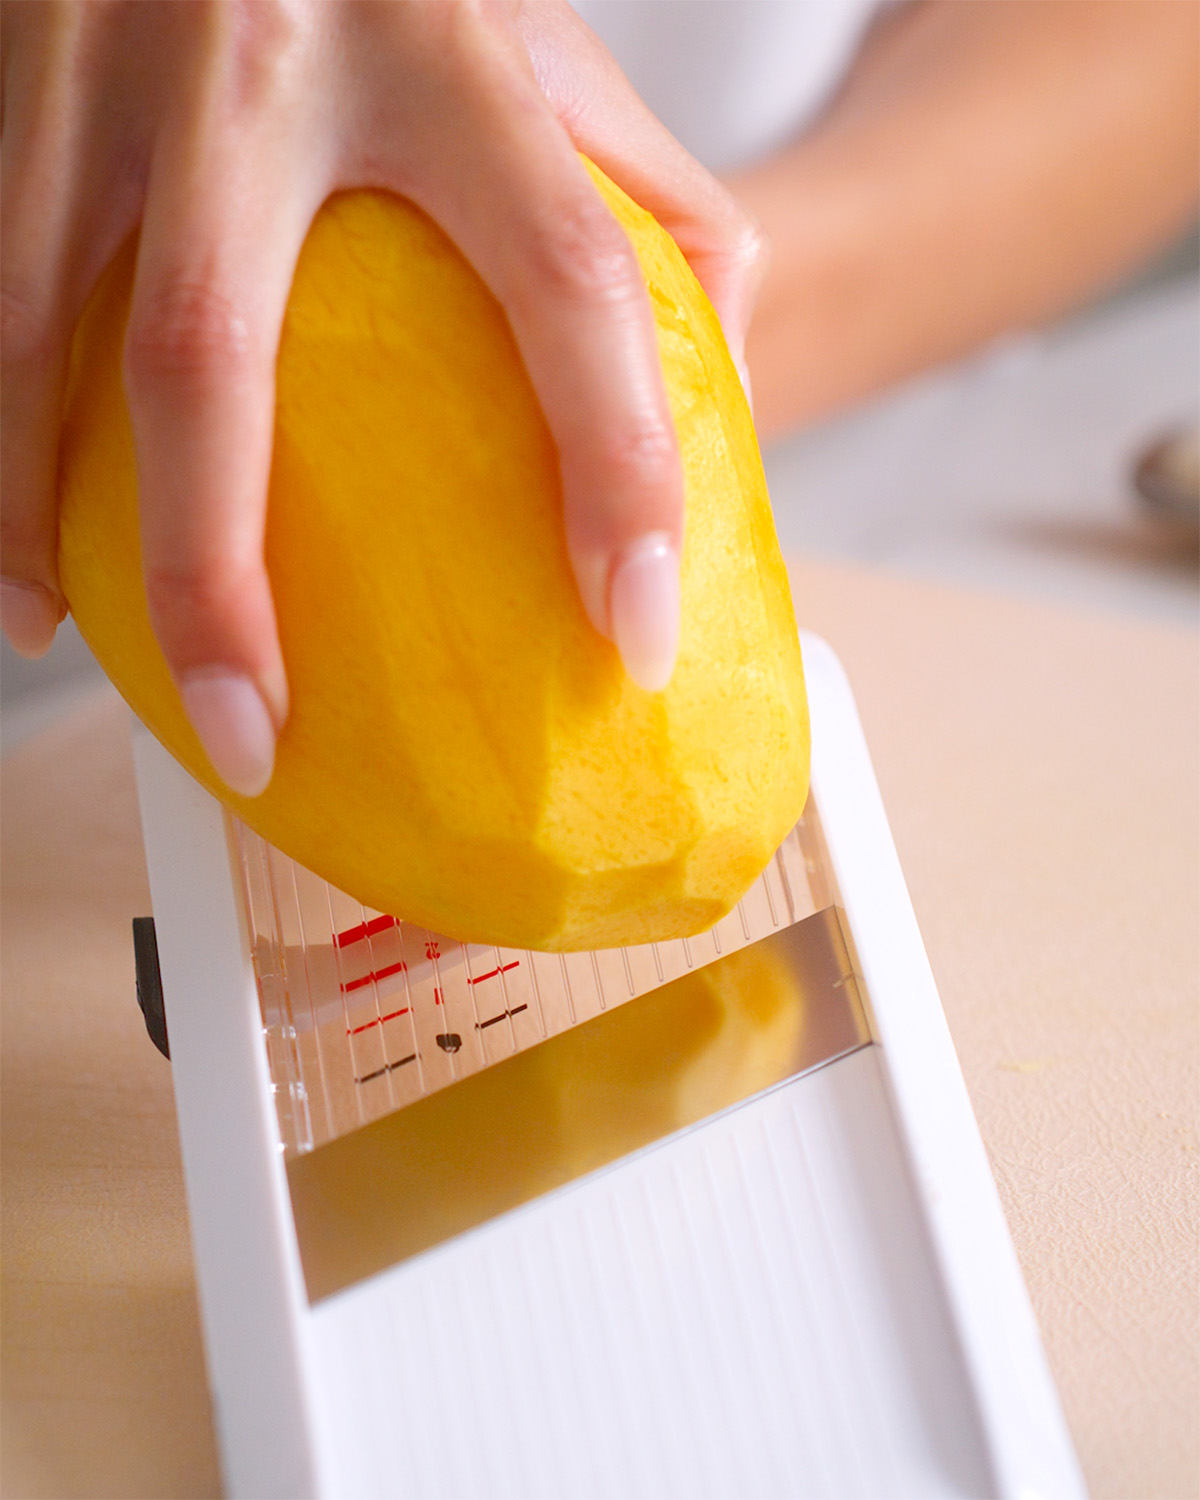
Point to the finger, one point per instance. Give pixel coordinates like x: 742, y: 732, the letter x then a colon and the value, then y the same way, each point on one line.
x: 221, y: 234
x: 571, y: 285
x: 40, y: 142
x: 532, y: 223
x: 72, y: 188
x: 606, y: 119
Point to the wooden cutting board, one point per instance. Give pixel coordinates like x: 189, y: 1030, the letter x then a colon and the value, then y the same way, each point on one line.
x: 1041, y: 770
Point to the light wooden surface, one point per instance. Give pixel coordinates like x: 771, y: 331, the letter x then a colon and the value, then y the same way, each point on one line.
x: 1042, y: 774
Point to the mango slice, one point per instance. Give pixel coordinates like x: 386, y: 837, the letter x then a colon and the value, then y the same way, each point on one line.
x: 464, y: 750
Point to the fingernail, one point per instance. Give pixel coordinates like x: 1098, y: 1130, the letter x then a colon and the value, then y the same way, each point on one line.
x: 29, y: 616
x: 737, y: 353
x: 644, y: 610
x: 743, y: 370
x: 228, y: 713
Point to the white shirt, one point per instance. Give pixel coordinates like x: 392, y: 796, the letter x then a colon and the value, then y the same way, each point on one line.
x: 732, y: 79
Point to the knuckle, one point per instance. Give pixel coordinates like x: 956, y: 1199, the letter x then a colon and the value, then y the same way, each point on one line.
x: 749, y: 248
x: 265, y: 37
x: 28, y: 336
x: 583, y: 256
x: 183, y: 598
x: 26, y: 546
x: 449, y: 39
x: 187, y: 332
x: 460, y: 26
x: 642, y: 456
x: 743, y: 250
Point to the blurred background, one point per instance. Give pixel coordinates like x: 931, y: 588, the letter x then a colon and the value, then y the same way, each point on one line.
x: 1010, y: 471
x: 1014, y: 470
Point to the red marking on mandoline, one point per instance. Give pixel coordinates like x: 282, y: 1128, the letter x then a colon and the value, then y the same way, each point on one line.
x: 378, y: 1021
x: 364, y: 930
x: 356, y: 984
x: 491, y: 974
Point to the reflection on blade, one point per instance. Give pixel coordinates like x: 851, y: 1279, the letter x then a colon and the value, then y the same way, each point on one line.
x: 579, y: 1100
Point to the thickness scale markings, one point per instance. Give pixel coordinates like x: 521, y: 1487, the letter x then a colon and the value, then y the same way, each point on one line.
x: 447, y: 1041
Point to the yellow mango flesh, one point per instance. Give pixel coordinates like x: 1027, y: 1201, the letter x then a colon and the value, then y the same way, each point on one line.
x: 463, y: 749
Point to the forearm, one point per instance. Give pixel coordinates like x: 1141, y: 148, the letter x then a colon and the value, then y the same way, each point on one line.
x: 989, y: 163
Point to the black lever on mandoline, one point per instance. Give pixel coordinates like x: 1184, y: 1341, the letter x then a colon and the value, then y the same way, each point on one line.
x: 149, y: 982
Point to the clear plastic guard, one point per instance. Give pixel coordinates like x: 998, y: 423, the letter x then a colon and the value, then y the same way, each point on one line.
x: 364, y: 1013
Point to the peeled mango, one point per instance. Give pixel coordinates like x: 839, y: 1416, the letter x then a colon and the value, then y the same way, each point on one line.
x: 463, y: 749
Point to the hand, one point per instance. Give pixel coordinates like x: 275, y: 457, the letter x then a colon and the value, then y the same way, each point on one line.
x: 220, y: 130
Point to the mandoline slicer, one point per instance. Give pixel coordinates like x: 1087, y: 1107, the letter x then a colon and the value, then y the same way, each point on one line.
x: 701, y: 1219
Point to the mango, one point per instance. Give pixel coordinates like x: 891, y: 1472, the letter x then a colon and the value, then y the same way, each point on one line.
x: 463, y: 749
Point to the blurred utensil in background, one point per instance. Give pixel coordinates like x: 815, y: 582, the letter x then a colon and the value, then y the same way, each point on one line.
x: 1167, y: 476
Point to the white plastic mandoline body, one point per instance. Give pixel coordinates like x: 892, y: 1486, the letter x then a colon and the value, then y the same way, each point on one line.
x: 812, y: 1294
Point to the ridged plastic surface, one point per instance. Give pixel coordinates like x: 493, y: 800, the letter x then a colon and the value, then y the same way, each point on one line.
x: 748, y: 1309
